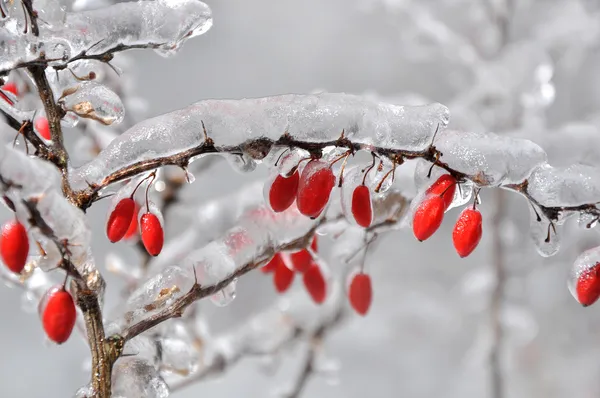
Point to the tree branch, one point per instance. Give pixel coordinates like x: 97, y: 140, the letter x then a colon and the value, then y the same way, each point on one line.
x: 63, y: 63
x: 104, y: 352
x: 261, y: 146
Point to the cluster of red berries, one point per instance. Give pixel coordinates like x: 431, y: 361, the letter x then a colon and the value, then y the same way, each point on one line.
x: 123, y: 224
x: 285, y: 266
x: 41, y: 123
x: 311, y: 191
x: 123, y: 221
x: 299, y: 262
x: 430, y: 213
x: 57, y: 308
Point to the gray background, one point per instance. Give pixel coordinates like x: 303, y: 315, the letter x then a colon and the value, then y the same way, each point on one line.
x: 425, y: 336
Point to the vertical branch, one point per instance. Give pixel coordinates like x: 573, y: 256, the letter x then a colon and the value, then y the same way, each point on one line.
x: 496, y: 378
x: 53, y: 112
x: 104, y: 353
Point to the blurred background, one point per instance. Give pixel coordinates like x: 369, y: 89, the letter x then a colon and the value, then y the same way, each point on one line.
x: 500, y: 323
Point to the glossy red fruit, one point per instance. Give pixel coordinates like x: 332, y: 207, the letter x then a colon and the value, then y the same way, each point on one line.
x: 428, y: 217
x: 315, y: 284
x: 282, y: 277
x: 361, y: 206
x: 360, y: 293
x: 446, y: 185
x: 42, y: 127
x: 467, y: 232
x: 283, y: 192
x: 152, y: 234
x: 271, y: 266
x: 588, y: 286
x: 120, y: 219
x: 11, y: 88
x: 133, y: 225
x: 302, y: 260
x: 316, y: 182
x: 14, y: 246
x: 58, y: 314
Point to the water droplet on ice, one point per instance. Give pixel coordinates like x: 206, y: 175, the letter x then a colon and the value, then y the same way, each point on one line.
x: 546, y: 239
x: 241, y: 163
x: 224, y: 296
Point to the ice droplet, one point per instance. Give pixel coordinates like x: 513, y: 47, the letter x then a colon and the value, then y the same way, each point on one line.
x: 587, y: 220
x: 178, y: 351
x: 544, y: 233
x: 225, y: 296
x: 352, y: 179
x: 290, y: 161
x: 241, y: 163
x: 96, y: 101
x: 133, y: 377
x: 85, y: 392
x: 462, y: 194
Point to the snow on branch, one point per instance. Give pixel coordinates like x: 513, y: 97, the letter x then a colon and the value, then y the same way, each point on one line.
x: 162, y: 25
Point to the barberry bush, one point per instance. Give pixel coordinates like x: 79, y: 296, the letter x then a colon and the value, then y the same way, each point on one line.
x: 342, y: 172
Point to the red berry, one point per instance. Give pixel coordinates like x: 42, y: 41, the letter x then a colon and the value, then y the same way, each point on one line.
x: 446, y: 185
x: 588, y: 286
x: 42, y: 127
x: 11, y: 87
x: 315, y: 283
x: 316, y: 182
x: 467, y: 232
x: 428, y: 217
x: 360, y: 293
x: 152, y: 234
x: 282, y: 277
x: 133, y: 225
x: 302, y: 260
x: 361, y: 206
x: 272, y: 265
x: 14, y: 246
x: 58, y: 314
x: 120, y: 219
x: 283, y: 191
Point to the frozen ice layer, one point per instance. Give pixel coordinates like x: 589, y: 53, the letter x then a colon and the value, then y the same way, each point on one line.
x: 489, y: 159
x: 561, y: 187
x: 311, y: 118
x: 161, y: 24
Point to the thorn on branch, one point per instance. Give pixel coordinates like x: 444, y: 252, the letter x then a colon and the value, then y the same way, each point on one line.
x: 207, y: 140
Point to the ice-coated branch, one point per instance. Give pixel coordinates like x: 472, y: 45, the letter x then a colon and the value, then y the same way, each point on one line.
x: 249, y: 131
x: 25, y: 127
x: 161, y: 25
x: 216, y: 270
x: 54, y: 113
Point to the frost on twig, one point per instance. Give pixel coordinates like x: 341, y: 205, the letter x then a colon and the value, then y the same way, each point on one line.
x: 162, y: 25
